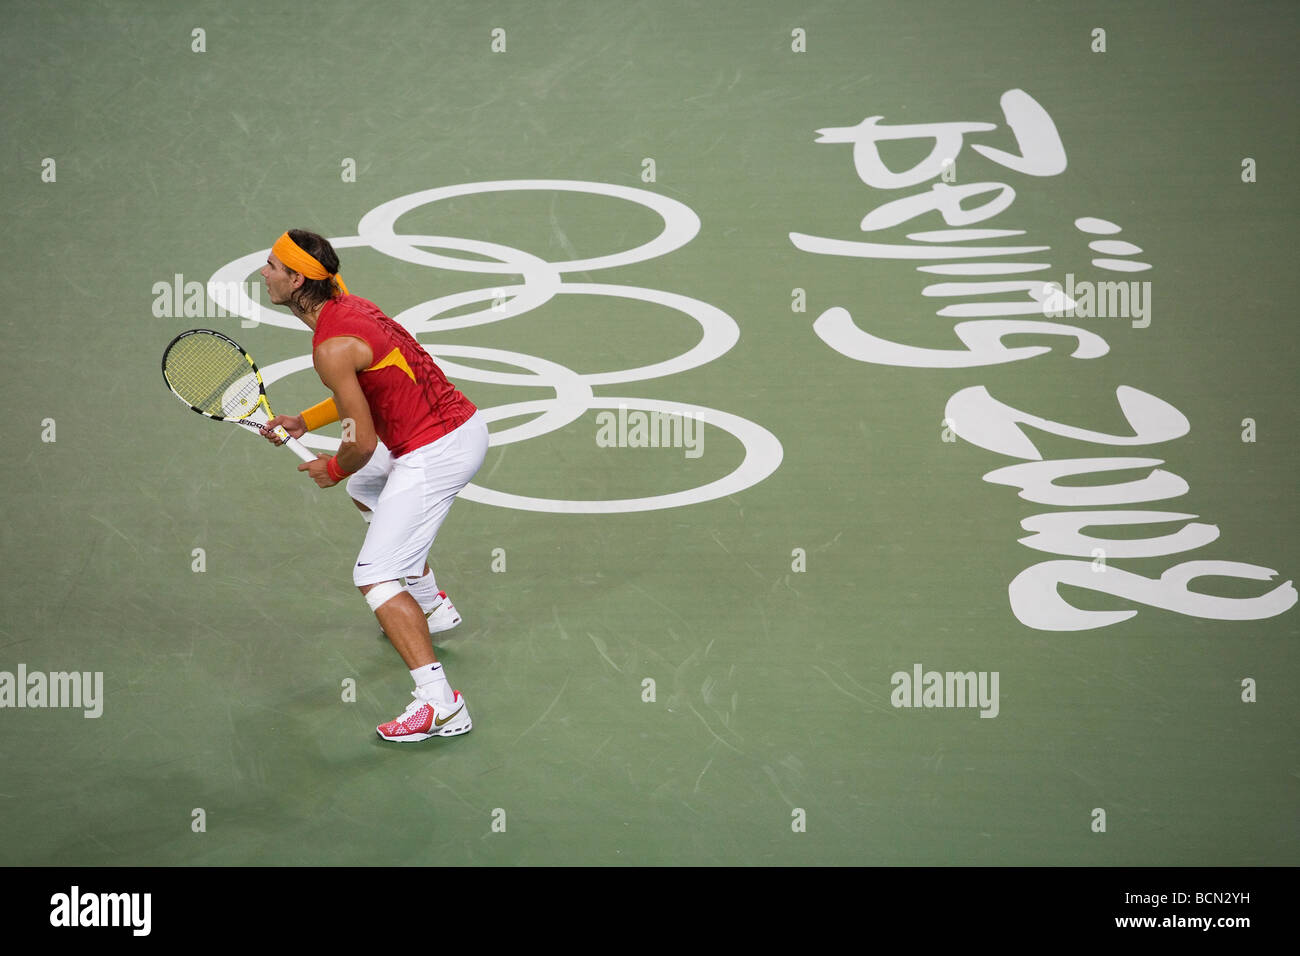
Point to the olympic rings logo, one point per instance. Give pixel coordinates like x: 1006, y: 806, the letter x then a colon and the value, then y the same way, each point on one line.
x: 542, y: 281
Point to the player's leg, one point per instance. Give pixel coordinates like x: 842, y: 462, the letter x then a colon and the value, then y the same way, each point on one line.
x: 365, y: 487
x: 404, y: 520
x: 419, y: 492
x: 451, y: 463
x: 400, y: 616
x: 436, y: 710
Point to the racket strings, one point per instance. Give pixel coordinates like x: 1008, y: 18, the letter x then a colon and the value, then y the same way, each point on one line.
x: 213, y: 376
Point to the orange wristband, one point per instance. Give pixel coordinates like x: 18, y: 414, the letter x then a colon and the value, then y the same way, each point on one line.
x: 320, y: 414
x: 335, y: 472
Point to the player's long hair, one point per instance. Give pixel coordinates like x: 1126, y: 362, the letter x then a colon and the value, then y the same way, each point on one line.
x: 314, y: 292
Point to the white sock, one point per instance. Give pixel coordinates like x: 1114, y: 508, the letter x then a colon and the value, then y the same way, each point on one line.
x: 431, y: 683
x: 424, y: 590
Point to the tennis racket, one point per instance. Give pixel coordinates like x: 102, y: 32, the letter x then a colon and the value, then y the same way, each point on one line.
x: 215, y: 377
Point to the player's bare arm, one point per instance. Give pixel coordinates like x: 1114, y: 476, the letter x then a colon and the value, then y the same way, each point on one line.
x: 337, y: 361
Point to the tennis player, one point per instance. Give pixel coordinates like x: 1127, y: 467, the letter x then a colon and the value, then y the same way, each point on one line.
x: 411, y: 442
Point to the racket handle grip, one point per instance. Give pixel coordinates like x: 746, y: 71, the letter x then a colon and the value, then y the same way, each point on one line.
x: 298, y: 448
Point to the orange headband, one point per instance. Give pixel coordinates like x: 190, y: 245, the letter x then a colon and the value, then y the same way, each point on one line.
x: 293, y: 256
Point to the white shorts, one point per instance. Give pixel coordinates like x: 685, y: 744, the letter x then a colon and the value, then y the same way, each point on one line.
x: 410, y: 497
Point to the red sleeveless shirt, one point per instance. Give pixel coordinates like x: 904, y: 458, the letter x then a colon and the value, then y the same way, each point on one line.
x: 411, y: 401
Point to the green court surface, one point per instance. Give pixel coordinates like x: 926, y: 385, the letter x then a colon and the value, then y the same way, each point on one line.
x: 716, y: 677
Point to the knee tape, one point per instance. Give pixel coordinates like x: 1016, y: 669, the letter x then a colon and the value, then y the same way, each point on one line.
x: 381, y: 594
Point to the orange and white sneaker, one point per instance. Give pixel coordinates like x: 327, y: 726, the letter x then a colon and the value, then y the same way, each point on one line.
x: 423, y: 719
x: 443, y: 617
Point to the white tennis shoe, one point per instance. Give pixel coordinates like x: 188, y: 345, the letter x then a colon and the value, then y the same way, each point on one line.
x: 444, y: 616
